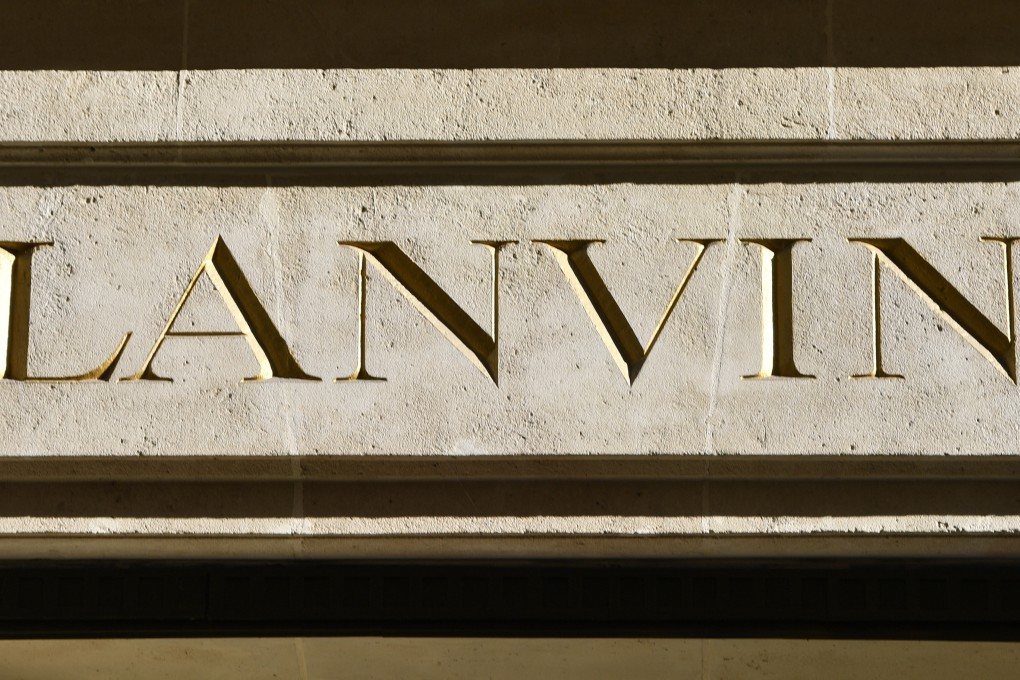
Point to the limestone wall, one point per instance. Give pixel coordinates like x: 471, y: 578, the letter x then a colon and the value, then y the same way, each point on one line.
x: 800, y: 343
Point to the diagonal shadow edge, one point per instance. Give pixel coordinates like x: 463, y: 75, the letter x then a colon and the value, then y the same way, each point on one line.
x: 510, y: 162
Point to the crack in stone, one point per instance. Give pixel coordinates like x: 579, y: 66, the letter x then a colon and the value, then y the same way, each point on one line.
x: 733, y: 203
x: 177, y: 106
x: 269, y: 209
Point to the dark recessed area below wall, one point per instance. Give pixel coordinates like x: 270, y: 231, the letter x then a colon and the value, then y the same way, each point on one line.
x: 175, y: 34
x: 735, y: 599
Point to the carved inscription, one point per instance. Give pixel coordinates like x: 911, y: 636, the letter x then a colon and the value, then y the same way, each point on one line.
x: 433, y: 302
x: 15, y: 297
x: 998, y: 347
x: 276, y: 360
x: 777, y: 308
x: 266, y: 343
x: 605, y: 313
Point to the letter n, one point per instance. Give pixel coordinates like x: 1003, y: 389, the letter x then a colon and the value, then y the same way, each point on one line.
x: 433, y: 302
x: 998, y: 347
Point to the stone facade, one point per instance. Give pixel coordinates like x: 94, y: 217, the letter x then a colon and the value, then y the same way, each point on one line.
x: 565, y: 282
x: 558, y: 383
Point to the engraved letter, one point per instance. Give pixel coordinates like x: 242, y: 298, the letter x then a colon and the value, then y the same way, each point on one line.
x: 433, y: 302
x: 613, y: 327
x: 266, y: 343
x: 777, y: 308
x: 15, y: 296
x: 933, y: 288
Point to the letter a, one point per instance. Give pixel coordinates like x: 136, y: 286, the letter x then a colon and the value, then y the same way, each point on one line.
x: 266, y: 343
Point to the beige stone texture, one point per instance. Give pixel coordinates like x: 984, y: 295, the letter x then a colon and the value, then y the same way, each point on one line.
x: 113, y: 270
x: 122, y: 256
x: 503, y: 104
x: 927, y: 103
x: 460, y: 104
x: 40, y: 106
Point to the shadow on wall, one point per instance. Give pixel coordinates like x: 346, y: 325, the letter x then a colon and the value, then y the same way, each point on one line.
x: 174, y: 34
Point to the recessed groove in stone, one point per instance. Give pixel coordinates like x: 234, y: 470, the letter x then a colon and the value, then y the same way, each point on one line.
x: 504, y: 162
x: 654, y: 505
x: 331, y: 468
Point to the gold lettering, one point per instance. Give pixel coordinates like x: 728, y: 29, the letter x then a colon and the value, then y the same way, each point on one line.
x: 957, y: 310
x: 15, y: 301
x: 270, y: 349
x: 433, y: 302
x: 361, y: 372
x: 602, y: 308
x: 777, y: 308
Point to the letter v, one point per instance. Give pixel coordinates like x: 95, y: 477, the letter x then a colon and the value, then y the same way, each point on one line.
x: 613, y: 327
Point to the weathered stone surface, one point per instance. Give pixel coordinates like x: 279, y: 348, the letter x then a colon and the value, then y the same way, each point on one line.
x: 930, y: 103
x: 847, y: 103
x: 87, y: 106
x: 413, y: 104
x: 504, y: 104
x: 123, y: 256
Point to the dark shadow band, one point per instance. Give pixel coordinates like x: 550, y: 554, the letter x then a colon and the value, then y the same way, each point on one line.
x: 862, y: 599
x: 504, y: 163
x: 467, y: 34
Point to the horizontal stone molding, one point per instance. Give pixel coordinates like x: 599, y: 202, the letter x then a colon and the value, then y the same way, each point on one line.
x: 431, y: 163
x: 524, y: 467
x: 656, y: 511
